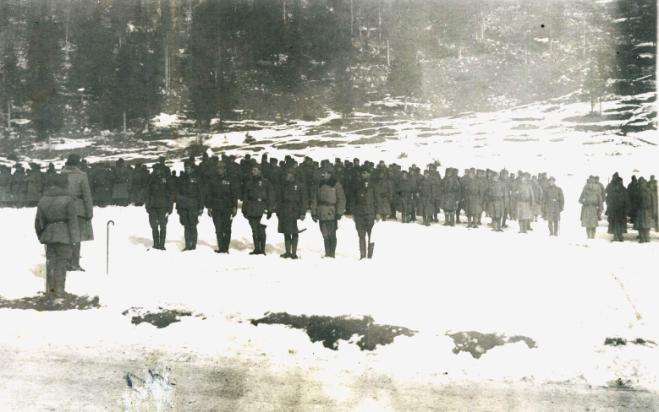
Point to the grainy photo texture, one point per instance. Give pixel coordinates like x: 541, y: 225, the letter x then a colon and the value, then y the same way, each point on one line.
x: 328, y: 205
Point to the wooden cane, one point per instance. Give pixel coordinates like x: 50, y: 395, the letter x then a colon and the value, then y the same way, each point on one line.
x: 107, y: 247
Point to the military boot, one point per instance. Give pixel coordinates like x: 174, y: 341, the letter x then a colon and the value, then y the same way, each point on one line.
x: 294, y: 247
x: 256, y: 241
x: 287, y: 245
x: 362, y: 248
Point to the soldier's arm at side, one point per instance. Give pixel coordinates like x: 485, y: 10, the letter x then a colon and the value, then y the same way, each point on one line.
x: 72, y: 222
x: 340, y: 200
x: 87, y: 197
x: 39, y: 224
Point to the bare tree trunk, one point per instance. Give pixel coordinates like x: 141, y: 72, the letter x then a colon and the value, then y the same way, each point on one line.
x: 352, y: 19
x: 388, y: 55
x: 124, y: 122
x: 9, y: 114
x: 380, y: 23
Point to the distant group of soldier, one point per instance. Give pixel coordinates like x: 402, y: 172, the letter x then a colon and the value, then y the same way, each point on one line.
x: 368, y: 192
x: 636, y: 203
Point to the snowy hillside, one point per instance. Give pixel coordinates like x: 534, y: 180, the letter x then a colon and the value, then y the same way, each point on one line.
x: 555, y: 318
x: 566, y: 295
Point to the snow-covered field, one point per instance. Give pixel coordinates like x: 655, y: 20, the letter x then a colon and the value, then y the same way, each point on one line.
x: 567, y: 294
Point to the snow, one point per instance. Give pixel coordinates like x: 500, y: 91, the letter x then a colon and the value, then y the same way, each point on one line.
x: 164, y: 120
x: 567, y: 293
x: 561, y: 292
x: 62, y: 144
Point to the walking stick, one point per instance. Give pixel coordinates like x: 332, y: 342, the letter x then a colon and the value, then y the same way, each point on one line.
x: 107, y: 247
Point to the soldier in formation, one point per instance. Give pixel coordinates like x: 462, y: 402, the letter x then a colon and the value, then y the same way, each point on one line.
x: 291, y: 206
x: 159, y: 206
x: 327, y: 207
x: 364, y: 190
x: 258, y: 200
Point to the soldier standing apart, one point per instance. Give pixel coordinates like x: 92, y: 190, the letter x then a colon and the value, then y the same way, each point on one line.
x: 327, y: 206
x: 591, y: 204
x: 553, y: 203
x: 56, y: 225
x: 291, y: 206
x: 159, y: 205
x: 222, y: 204
x: 258, y: 199
x: 189, y: 204
x: 365, y: 207
x: 81, y: 193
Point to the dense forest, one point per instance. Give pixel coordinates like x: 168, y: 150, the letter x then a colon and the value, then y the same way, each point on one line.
x: 114, y: 64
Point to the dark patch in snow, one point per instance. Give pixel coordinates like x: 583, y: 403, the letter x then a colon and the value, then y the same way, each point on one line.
x: 160, y: 319
x: 524, y: 126
x: 618, y: 341
x: 41, y: 303
x: 621, y: 109
x: 477, y: 344
x: 526, y: 119
x: 620, y: 384
x: 262, y: 142
x: 309, y: 143
x: 369, y: 140
x: 520, y: 139
x: 228, y: 383
x: 329, y: 330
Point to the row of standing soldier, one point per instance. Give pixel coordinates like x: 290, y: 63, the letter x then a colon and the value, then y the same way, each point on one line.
x: 636, y: 203
x: 371, y: 192
x: 410, y: 193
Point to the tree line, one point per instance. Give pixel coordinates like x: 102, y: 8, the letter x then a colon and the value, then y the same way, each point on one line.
x: 113, y: 64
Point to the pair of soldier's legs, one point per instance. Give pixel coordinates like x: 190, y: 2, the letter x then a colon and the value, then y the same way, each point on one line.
x: 497, y: 223
x: 258, y: 235
x: 222, y: 222
x: 58, y: 256
x: 328, y: 230
x: 363, y: 231
x: 553, y: 227
x: 189, y: 218
x: 590, y: 232
x: 158, y: 221
x: 406, y: 212
x: 290, y: 243
x: 643, y: 235
x: 617, y: 229
x: 524, y: 225
x: 449, y: 217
